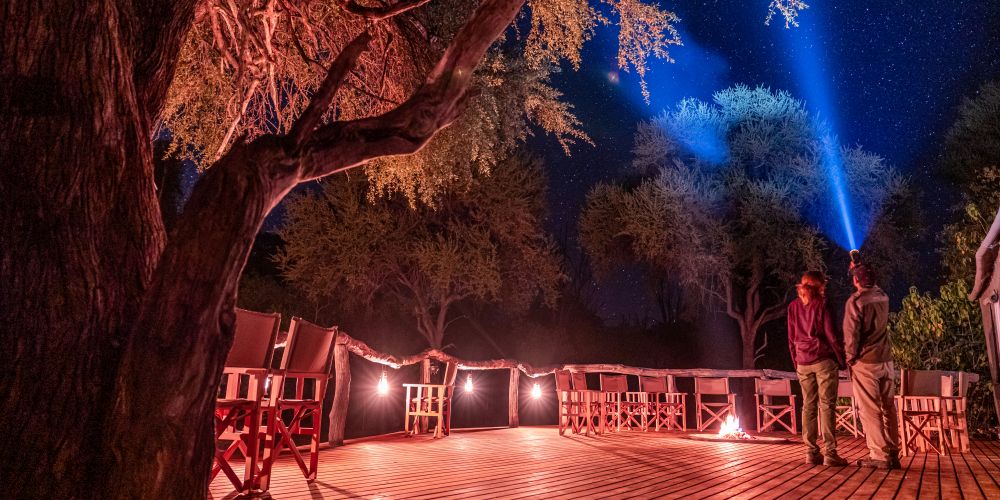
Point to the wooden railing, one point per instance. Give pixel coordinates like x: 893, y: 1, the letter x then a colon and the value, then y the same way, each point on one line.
x: 347, y: 345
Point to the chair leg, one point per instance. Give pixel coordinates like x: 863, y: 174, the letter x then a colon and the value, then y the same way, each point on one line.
x: 317, y: 419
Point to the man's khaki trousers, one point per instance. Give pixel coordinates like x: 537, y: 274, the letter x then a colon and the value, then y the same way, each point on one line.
x: 874, y: 391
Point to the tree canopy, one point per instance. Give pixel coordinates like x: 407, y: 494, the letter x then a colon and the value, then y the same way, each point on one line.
x: 729, y: 199
x: 972, y: 162
x: 484, y: 243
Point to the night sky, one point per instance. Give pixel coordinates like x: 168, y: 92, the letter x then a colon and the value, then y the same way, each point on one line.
x: 888, y: 75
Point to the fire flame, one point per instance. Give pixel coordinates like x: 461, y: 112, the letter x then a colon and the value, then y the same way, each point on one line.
x: 731, y: 429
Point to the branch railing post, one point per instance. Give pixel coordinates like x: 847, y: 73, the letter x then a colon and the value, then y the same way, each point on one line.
x: 512, y: 392
x: 341, y: 391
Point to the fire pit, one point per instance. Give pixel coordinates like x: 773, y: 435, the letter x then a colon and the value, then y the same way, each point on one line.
x: 731, y: 432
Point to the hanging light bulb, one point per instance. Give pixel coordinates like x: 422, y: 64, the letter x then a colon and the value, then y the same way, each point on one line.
x: 383, y: 384
x: 468, y: 384
x: 536, y: 391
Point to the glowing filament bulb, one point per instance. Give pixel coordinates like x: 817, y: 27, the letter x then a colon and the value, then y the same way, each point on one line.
x: 536, y: 391
x: 468, y: 384
x: 383, y: 384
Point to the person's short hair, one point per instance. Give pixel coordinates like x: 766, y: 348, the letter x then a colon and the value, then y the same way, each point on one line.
x: 864, y: 274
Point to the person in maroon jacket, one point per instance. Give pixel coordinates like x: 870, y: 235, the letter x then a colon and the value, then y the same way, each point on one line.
x: 818, y: 355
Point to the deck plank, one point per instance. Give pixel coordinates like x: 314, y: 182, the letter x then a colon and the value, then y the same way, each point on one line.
x: 535, y: 462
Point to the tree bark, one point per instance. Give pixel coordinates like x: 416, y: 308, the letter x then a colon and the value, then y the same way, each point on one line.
x: 79, y: 237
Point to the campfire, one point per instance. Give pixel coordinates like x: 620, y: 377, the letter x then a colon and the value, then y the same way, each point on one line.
x: 731, y: 429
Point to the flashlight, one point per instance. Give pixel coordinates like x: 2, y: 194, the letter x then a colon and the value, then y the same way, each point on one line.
x: 855, y: 261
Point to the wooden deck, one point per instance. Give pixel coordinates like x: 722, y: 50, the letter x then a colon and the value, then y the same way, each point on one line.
x: 537, y: 462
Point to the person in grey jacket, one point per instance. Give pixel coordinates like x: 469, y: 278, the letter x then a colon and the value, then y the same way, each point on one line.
x: 867, y: 349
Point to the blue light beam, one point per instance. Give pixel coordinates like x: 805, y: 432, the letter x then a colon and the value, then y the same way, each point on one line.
x: 805, y: 47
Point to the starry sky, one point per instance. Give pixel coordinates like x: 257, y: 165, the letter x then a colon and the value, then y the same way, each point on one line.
x: 888, y: 75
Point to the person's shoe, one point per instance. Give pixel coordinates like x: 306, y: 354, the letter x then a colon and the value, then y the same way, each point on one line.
x: 871, y: 463
x: 814, y: 459
x: 834, y: 460
x: 894, y: 462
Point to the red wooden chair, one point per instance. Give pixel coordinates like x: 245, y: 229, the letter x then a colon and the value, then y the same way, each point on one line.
x: 623, y: 409
x: 921, y: 410
x: 775, y: 404
x: 571, y: 404
x: 667, y: 407
x: 593, y: 405
x: 306, y: 365
x: 715, y: 409
x: 431, y: 400
x: 956, y: 425
x: 847, y: 409
x: 238, y: 414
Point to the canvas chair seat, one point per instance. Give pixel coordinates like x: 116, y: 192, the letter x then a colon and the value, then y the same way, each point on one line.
x: 425, y: 401
x: 921, y: 410
x: 667, y: 408
x: 623, y: 409
x: 291, y: 410
x: 847, y: 416
x: 708, y: 412
x: 770, y: 411
x: 238, y: 417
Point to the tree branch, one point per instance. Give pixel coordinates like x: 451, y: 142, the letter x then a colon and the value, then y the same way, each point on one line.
x: 320, y: 102
x: 727, y: 283
x: 379, y: 13
x: 339, y: 146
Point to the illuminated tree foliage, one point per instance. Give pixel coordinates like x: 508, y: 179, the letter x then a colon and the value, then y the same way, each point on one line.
x: 727, y: 206
x: 250, y: 67
x: 484, y: 243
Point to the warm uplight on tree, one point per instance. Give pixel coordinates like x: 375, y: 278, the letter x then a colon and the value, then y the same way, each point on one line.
x: 383, y: 384
x: 536, y: 391
x: 468, y: 384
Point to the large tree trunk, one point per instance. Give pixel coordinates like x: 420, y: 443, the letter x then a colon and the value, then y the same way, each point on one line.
x: 186, y: 325
x: 748, y: 353
x: 79, y: 241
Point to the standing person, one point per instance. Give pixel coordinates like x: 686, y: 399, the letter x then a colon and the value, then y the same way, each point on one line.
x: 866, y: 340
x: 818, y: 356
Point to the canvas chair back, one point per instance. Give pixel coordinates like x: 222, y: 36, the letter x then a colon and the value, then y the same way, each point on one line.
x: 309, y: 348
x: 845, y: 389
x: 564, y: 382
x: 776, y: 387
x: 710, y: 385
x: 657, y: 384
x: 450, y: 374
x: 925, y: 383
x: 253, y: 344
x: 579, y: 381
x: 614, y: 383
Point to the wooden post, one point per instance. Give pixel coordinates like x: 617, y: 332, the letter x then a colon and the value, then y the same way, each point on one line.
x: 515, y: 379
x: 425, y: 378
x: 341, y: 392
